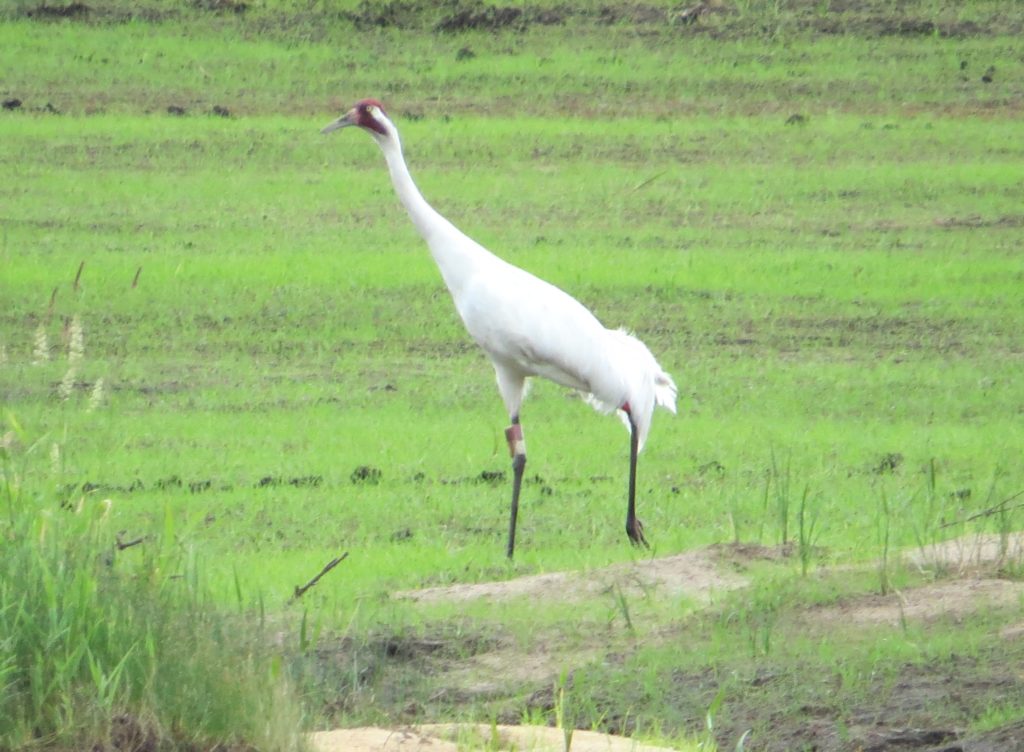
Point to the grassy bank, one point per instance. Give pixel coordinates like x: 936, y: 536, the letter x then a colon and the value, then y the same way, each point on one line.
x: 110, y: 643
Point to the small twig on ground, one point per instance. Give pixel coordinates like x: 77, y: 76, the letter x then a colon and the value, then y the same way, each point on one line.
x: 123, y: 544
x: 53, y: 300
x: 1000, y: 507
x: 648, y: 181
x: 78, y: 277
x: 301, y: 591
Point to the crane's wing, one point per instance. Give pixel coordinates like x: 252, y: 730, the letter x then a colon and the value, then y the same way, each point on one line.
x: 530, y: 327
x: 526, y: 323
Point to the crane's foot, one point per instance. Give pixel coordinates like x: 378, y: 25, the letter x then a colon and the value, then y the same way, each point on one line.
x: 635, y: 531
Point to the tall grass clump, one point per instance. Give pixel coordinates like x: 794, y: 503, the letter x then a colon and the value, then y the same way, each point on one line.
x: 104, y: 647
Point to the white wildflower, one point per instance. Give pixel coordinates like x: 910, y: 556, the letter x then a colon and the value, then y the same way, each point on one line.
x: 67, y: 384
x: 76, y: 340
x: 96, y: 396
x: 40, y: 346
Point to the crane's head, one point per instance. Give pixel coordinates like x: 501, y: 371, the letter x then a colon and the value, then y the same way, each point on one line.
x: 369, y: 115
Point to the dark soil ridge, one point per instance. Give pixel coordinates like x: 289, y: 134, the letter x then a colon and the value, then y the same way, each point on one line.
x: 912, y: 711
x: 714, y: 17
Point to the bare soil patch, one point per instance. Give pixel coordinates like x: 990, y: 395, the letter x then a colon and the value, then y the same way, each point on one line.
x: 910, y: 707
x: 969, y: 553
x: 697, y: 575
x: 374, y: 739
x: 949, y: 599
x: 693, y: 574
x: 972, y: 583
x: 443, y: 738
x: 972, y: 565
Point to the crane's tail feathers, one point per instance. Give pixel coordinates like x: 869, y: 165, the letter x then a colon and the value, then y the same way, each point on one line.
x: 646, y: 385
x: 665, y: 392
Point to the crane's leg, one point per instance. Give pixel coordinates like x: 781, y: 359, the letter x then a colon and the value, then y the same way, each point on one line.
x: 517, y: 448
x: 634, y: 528
x: 512, y: 385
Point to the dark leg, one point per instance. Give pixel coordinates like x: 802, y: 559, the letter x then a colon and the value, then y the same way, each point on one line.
x: 517, y: 448
x: 634, y: 528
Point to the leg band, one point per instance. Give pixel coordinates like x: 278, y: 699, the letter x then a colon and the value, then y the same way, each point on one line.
x: 516, y: 442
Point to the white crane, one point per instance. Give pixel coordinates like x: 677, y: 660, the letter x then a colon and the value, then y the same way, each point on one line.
x: 527, y: 326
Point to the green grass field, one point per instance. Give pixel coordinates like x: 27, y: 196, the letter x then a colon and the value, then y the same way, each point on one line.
x: 224, y: 323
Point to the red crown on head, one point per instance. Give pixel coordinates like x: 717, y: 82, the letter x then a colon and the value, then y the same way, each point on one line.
x: 364, y: 103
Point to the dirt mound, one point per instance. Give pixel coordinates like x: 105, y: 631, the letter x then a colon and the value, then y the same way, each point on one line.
x: 700, y: 574
x: 918, y: 706
x: 973, y: 563
x: 694, y: 574
x: 952, y: 598
x: 969, y: 553
x: 440, y: 738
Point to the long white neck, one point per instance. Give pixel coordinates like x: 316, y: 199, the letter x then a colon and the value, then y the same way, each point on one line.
x: 456, y: 255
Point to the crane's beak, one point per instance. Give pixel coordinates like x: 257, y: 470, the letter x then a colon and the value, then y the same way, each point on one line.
x: 349, y: 118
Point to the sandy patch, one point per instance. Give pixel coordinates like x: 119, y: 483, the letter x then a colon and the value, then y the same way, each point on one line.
x: 948, y: 599
x: 969, y: 552
x: 437, y: 738
x: 370, y: 739
x: 694, y: 574
x: 972, y: 559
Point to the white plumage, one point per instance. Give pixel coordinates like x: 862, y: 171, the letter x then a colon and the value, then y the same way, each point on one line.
x: 527, y: 326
